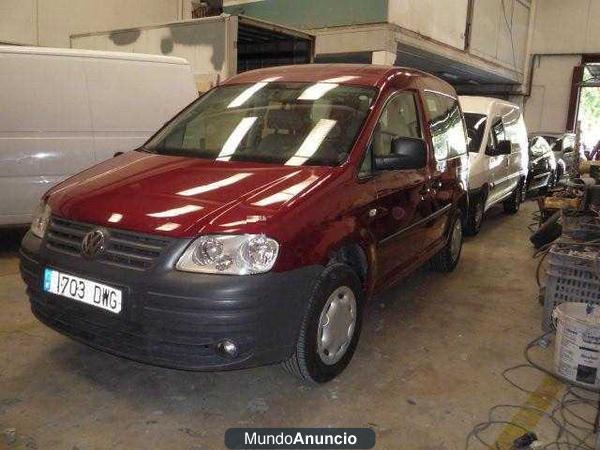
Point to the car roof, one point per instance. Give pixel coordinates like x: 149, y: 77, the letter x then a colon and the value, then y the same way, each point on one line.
x: 72, y: 52
x: 353, y: 74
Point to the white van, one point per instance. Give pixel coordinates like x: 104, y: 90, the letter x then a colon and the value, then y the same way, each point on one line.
x: 498, y: 156
x: 63, y: 110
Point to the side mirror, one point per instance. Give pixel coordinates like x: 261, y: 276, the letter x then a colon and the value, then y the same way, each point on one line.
x: 406, y: 153
x: 503, y: 148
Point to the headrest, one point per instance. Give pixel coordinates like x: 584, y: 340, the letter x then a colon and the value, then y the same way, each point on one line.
x: 285, y: 119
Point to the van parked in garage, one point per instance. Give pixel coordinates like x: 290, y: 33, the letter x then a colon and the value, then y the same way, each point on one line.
x: 498, y: 156
x: 252, y: 228
x: 64, y: 110
x: 543, y: 167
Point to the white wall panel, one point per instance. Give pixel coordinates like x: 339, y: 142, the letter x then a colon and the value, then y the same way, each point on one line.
x: 566, y: 27
x: 442, y: 20
x: 18, y: 21
x: 546, y: 108
x: 51, y: 22
x: 492, y: 23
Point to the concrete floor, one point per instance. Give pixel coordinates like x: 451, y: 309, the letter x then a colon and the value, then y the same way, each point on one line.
x: 427, y: 369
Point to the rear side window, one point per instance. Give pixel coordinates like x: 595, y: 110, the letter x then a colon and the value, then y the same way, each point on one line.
x: 446, y: 125
x: 498, y: 131
x: 475, y: 129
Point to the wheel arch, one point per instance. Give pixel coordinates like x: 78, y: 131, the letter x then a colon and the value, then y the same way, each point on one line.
x: 360, y: 256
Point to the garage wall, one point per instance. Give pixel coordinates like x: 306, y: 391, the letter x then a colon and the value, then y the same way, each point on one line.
x: 546, y: 108
x: 562, y: 32
x: 311, y: 13
x: 566, y: 27
x: 445, y: 20
x: 51, y: 22
x: 201, y: 42
x: 435, y: 21
x: 493, y: 24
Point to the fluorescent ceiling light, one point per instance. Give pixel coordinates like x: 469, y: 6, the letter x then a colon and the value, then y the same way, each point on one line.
x: 339, y: 79
x: 312, y: 142
x: 287, y: 194
x: 234, y: 139
x: 169, y: 226
x: 249, y: 92
x: 115, y: 217
x: 316, y: 91
x: 176, y: 211
x: 216, y: 185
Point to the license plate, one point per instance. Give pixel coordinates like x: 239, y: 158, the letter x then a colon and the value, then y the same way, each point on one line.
x: 83, y: 290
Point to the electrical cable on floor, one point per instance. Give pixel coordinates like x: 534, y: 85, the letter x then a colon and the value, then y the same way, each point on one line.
x: 570, y: 435
x: 573, y: 430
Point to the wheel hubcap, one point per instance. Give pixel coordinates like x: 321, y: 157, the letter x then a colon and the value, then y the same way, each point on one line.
x: 336, y: 325
x: 456, y: 241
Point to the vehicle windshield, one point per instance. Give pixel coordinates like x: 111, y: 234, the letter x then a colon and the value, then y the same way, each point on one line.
x: 475, y: 128
x: 282, y: 123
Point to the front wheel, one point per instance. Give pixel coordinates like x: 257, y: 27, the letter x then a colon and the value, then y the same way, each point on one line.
x: 513, y: 203
x: 447, y: 258
x: 475, y: 216
x: 330, y: 328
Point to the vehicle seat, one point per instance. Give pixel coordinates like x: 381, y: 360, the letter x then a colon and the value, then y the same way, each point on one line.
x: 283, y: 126
x: 392, y: 124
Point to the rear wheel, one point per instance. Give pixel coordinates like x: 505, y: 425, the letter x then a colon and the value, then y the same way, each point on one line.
x: 447, y: 259
x: 330, y: 328
x: 475, y: 216
x: 513, y: 203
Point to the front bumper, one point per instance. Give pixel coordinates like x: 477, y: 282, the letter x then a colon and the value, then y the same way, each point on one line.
x: 171, y: 318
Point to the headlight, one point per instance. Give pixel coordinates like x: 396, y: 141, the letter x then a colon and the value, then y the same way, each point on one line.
x: 230, y: 254
x: 40, y: 220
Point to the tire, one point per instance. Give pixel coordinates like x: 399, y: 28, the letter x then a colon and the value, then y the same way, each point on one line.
x: 447, y: 258
x: 475, y: 216
x: 513, y: 203
x: 308, y: 360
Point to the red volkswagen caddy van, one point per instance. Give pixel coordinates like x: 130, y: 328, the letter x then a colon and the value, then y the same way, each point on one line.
x: 253, y: 227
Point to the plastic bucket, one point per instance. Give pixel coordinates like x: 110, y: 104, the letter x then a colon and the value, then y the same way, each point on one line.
x: 577, y: 346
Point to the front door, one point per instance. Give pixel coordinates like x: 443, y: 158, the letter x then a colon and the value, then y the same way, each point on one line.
x: 401, y: 194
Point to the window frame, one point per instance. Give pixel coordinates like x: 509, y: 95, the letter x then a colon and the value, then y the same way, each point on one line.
x: 368, y: 153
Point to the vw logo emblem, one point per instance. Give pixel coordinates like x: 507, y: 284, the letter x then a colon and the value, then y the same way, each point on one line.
x: 93, y: 244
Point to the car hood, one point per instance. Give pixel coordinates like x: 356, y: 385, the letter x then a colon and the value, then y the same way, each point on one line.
x: 179, y: 196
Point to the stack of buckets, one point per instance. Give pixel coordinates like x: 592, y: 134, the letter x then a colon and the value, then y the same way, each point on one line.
x: 577, y: 347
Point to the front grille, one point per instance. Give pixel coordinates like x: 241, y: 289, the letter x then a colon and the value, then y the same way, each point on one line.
x: 122, y: 248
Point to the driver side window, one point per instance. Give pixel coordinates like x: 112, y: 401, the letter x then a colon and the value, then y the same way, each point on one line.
x: 399, y: 118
